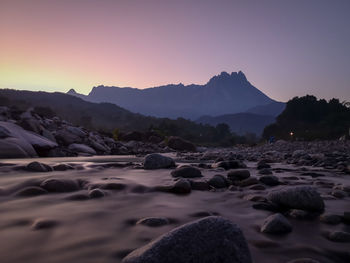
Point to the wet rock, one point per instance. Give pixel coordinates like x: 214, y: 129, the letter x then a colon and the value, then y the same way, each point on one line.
x: 276, y: 224
x: 240, y: 174
x: 81, y: 149
x: 218, y: 181
x: 153, y: 221
x: 302, y: 214
x: 60, y: 185
x: 330, y: 219
x: 227, y: 165
x: 299, y: 197
x: 31, y: 191
x: 38, y: 167
x: 200, y: 185
x: 180, y: 144
x: 182, y: 186
x: 157, y: 161
x: 269, y: 180
x: 339, y: 194
x: 339, y: 236
x: 202, y: 214
x: 254, y: 198
x: 44, y: 224
x: 96, y: 193
x: 263, y: 165
x: 11, y: 148
x: 62, y: 167
x: 186, y: 172
x: 208, y: 240
x: 248, y: 182
x: 265, y: 171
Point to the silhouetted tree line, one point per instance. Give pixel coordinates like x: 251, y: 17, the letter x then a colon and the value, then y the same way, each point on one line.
x: 307, y: 118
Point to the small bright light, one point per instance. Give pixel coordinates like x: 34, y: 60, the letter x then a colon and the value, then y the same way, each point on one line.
x: 291, y: 133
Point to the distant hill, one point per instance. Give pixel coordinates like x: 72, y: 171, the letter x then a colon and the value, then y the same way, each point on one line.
x: 272, y: 109
x: 309, y: 118
x: 240, y: 123
x: 107, y: 116
x: 222, y: 94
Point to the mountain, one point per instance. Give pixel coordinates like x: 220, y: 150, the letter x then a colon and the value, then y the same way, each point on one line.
x: 272, y: 109
x: 240, y: 123
x: 222, y: 94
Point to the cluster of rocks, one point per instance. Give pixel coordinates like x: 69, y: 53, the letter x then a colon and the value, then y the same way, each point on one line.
x: 26, y: 134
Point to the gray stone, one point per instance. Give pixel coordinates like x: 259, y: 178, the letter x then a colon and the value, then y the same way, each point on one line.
x: 182, y: 186
x: 62, y: 167
x: 269, y: 180
x: 265, y: 171
x: 31, y: 191
x: 299, y: 197
x: 240, y: 174
x: 186, y: 171
x: 330, y: 219
x: 218, y: 181
x: 43, y: 224
x: 60, y: 185
x: 208, y: 240
x: 81, y: 148
x: 339, y: 236
x: 153, y: 221
x: 38, y: 167
x: 227, y: 165
x: 200, y: 185
x: 157, y: 161
x: 96, y: 193
x: 276, y: 224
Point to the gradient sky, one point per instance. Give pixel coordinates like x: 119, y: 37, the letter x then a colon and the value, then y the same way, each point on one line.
x: 285, y: 48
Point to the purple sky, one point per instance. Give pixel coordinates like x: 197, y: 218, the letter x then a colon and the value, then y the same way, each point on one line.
x: 285, y: 48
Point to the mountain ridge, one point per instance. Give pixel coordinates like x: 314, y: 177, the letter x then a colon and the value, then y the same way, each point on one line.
x: 222, y: 94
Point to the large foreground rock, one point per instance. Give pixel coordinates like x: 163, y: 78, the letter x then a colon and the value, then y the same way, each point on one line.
x: 15, y: 142
x: 300, y: 197
x: 208, y: 240
x: 157, y: 161
x: 180, y: 144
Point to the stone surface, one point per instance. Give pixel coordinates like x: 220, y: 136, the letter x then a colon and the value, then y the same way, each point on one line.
x: 186, y: 171
x: 276, y: 224
x: 180, y: 144
x: 60, y: 185
x: 31, y: 191
x: 269, y: 180
x: 208, y: 240
x: 218, y: 181
x: 157, y: 161
x: 299, y: 197
x: 38, y: 167
x: 240, y: 174
x: 153, y: 221
x: 81, y: 148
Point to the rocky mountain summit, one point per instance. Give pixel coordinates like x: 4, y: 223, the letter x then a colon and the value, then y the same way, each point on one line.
x: 222, y: 94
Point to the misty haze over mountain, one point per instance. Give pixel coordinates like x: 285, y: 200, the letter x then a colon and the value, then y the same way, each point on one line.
x: 222, y: 94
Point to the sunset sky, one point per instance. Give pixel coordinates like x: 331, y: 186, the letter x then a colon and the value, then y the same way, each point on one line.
x: 285, y: 48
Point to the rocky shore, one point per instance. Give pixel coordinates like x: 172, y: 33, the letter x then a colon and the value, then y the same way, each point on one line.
x: 282, y: 202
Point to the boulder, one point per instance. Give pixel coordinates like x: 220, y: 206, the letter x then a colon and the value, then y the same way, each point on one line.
x: 276, y: 224
x: 208, y: 240
x: 227, y: 165
x: 60, y: 185
x: 180, y: 144
x: 81, y: 148
x: 186, y: 171
x: 153, y: 221
x: 182, y: 186
x: 269, y: 180
x: 237, y: 175
x: 218, y: 181
x: 96, y: 193
x: 38, y: 167
x: 65, y: 137
x: 299, y: 197
x: 31, y: 191
x: 339, y: 236
x: 15, y: 148
x: 157, y: 161
x: 265, y: 171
